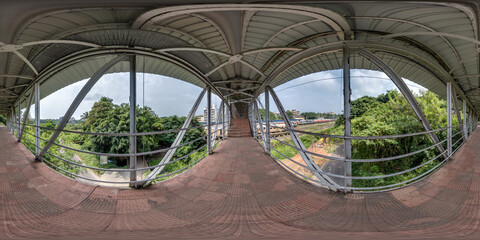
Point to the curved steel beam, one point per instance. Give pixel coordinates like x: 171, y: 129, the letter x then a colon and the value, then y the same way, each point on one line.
x: 74, y: 58
x: 26, y: 61
x: 16, y: 76
x: 333, y: 19
x: 87, y: 44
x: 78, y: 99
x: 335, y: 46
x: 438, y: 34
x: 450, y: 45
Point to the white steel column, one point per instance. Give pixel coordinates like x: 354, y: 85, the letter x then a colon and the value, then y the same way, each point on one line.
x: 449, y: 119
x: 209, y: 121
x: 19, y: 117
x: 224, y: 119
x: 133, y: 119
x: 37, y: 118
x: 267, y: 122
x: 346, y: 111
x: 465, y: 118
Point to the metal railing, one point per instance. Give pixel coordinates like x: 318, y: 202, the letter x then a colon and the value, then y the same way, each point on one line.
x: 440, y: 157
x: 31, y: 146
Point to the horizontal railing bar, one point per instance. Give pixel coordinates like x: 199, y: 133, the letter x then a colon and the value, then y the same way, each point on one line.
x: 363, y: 137
x: 312, y: 153
x: 120, y: 169
x: 119, y: 134
x: 362, y: 160
x: 364, y: 177
x: 401, y: 183
x: 126, y: 154
x: 124, y: 182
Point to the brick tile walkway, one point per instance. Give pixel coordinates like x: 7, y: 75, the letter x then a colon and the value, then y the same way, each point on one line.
x: 238, y: 192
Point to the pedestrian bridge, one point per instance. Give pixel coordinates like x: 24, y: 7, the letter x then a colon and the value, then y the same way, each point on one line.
x: 239, y: 191
x: 239, y: 51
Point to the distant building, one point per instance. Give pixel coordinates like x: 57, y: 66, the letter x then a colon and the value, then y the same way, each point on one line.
x: 213, y: 114
x: 200, y: 118
x: 296, y: 114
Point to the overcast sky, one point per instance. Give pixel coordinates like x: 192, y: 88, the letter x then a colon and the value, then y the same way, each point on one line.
x: 318, y: 92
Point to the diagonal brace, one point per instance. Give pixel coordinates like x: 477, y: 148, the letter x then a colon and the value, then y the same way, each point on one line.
x: 78, y: 99
x: 397, y: 80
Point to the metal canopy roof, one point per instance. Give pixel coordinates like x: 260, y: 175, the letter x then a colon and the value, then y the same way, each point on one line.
x: 236, y: 46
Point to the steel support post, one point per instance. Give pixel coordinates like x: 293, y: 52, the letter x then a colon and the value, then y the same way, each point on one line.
x: 133, y: 119
x: 457, y: 110
x: 27, y: 112
x: 327, y: 181
x: 267, y: 122
x: 449, y: 119
x: 465, y: 118
x: 253, y: 121
x: 470, y: 121
x: 19, y: 117
x: 397, y: 80
x: 78, y: 99
x: 347, y: 92
x: 217, y: 120
x: 37, y: 118
x: 178, y: 139
x: 259, y: 119
x: 209, y: 121
x: 224, y: 119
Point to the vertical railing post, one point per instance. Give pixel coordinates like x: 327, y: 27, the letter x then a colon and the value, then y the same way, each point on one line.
x: 224, y: 119
x: 449, y: 119
x: 19, y: 117
x: 37, y: 118
x: 470, y: 121
x: 267, y: 122
x: 133, y: 119
x: 346, y: 111
x: 465, y: 118
x: 209, y: 121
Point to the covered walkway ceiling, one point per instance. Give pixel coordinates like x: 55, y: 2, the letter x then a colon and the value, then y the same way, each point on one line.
x: 236, y: 46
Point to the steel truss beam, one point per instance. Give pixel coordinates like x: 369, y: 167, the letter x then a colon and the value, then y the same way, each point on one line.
x: 178, y: 139
x: 133, y: 120
x: 397, y: 80
x: 327, y: 181
x: 217, y: 120
x: 457, y: 110
x: 27, y: 112
x: 449, y: 118
x: 78, y: 99
x: 291, y: 61
x: 259, y: 119
x: 209, y: 121
x: 77, y: 57
x: 267, y: 122
x: 37, y: 118
x: 347, y: 92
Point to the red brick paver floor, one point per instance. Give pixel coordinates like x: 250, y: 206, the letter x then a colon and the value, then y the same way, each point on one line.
x: 237, y: 192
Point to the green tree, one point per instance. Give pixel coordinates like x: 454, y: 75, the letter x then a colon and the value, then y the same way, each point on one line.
x: 289, y: 114
x: 262, y: 114
x: 309, y: 115
x: 3, y: 119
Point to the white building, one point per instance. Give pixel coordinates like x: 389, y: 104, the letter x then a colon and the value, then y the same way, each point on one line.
x: 213, y: 113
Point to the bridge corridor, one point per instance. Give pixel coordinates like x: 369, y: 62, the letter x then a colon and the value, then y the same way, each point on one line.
x: 239, y: 191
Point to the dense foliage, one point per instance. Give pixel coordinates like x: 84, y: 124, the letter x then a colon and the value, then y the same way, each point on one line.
x: 390, y: 114
x: 3, y: 119
x: 105, y: 116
